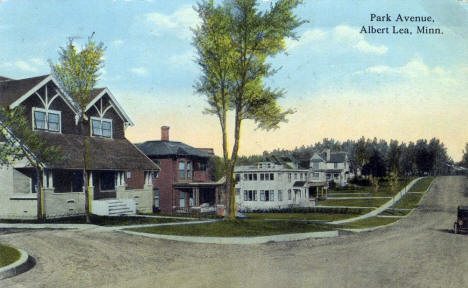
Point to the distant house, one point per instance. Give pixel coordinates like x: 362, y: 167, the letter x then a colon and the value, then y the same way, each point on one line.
x: 267, y: 185
x: 53, y: 116
x: 184, y: 183
x: 334, y: 166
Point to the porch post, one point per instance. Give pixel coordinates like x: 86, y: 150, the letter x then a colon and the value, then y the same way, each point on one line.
x: 196, y: 196
x: 44, y: 179
x: 51, y: 179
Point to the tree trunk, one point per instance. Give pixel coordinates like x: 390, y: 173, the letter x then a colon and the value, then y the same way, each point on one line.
x: 235, y: 150
x: 39, y: 191
x: 85, y: 172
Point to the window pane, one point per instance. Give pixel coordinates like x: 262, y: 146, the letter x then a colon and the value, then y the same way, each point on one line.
x: 272, y: 195
x: 39, y: 120
x: 96, y: 128
x: 54, y: 121
x: 106, y: 129
x: 181, y: 170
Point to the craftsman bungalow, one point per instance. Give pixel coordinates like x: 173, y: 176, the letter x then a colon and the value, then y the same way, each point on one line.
x: 53, y: 115
x: 184, y: 183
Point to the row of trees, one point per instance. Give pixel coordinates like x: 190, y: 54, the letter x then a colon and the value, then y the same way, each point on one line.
x: 374, y: 157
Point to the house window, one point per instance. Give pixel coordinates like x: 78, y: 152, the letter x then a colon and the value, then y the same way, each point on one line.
x: 295, y: 176
x: 155, y: 174
x: 181, y: 170
x: 316, y: 174
x: 238, y: 191
x: 246, y: 177
x: 182, y: 199
x: 302, y: 176
x: 335, y: 165
x: 129, y: 174
x: 315, y: 165
x: 262, y: 195
x: 267, y: 176
x: 272, y: 195
x: 101, y: 127
x: 336, y: 175
x: 262, y: 176
x: 203, y: 166
x: 280, y: 195
x: 289, y: 194
x: 255, y: 177
x: 189, y: 170
x: 47, y: 120
x: 245, y: 195
x: 289, y: 177
x: 250, y: 195
x: 156, y: 198
x: 250, y: 177
x: 272, y: 176
x: 237, y: 177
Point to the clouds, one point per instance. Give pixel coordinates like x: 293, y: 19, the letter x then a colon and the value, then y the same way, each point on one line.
x: 343, y: 36
x: 177, y: 23
x: 139, y: 71
x: 32, y: 65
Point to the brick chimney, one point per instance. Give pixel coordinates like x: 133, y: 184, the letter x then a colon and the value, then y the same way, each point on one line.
x: 165, y: 133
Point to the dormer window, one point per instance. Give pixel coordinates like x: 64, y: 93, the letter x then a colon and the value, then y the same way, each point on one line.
x: 101, y: 127
x: 47, y: 120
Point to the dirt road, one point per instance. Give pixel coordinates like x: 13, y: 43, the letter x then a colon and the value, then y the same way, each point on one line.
x: 418, y: 251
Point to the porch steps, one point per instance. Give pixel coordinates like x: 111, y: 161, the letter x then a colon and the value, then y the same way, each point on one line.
x: 117, y: 208
x: 114, y: 207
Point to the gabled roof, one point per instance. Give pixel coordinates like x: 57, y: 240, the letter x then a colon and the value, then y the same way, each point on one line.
x: 97, y: 93
x: 337, y: 157
x: 171, y: 148
x: 12, y: 90
x: 4, y: 79
x: 316, y: 158
x: 104, y: 154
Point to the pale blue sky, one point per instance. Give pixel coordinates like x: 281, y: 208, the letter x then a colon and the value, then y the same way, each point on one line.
x: 343, y: 84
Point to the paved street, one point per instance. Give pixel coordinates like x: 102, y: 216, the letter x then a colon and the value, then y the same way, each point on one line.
x: 418, y: 251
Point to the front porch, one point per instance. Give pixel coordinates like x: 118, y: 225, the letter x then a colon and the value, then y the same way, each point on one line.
x: 197, y: 197
x: 63, y: 192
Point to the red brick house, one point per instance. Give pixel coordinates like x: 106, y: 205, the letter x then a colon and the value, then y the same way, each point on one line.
x: 53, y: 114
x: 184, y: 182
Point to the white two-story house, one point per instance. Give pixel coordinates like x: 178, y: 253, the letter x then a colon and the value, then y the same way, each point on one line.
x: 267, y: 185
x: 331, y: 166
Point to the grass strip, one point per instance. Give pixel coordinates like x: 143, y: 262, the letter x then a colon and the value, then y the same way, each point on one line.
x: 8, y: 255
x: 99, y: 220
x: 369, y: 223
x: 238, y: 228
x: 422, y: 185
x: 354, y: 203
x: 300, y: 216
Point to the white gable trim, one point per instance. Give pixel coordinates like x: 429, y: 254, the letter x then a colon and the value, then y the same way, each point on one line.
x: 114, y: 102
x: 37, y: 87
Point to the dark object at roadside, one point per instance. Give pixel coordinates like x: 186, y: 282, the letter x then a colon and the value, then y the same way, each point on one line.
x: 462, y: 220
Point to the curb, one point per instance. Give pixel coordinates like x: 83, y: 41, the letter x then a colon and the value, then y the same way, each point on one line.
x: 239, y: 240
x: 22, y: 265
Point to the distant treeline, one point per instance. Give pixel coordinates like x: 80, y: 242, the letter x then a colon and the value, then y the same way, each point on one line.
x: 371, y: 156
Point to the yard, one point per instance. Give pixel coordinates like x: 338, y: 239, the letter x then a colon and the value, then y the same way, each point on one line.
x: 301, y: 216
x: 354, y: 202
x: 238, y: 228
x: 8, y: 255
x: 102, y: 220
x: 384, y: 190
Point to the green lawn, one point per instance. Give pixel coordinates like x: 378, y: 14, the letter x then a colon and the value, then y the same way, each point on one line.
x: 385, y: 189
x: 301, y: 216
x: 422, y: 185
x: 391, y: 212
x: 354, y: 203
x: 8, y: 255
x: 409, y: 201
x: 101, y: 220
x: 369, y: 222
x: 238, y: 228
